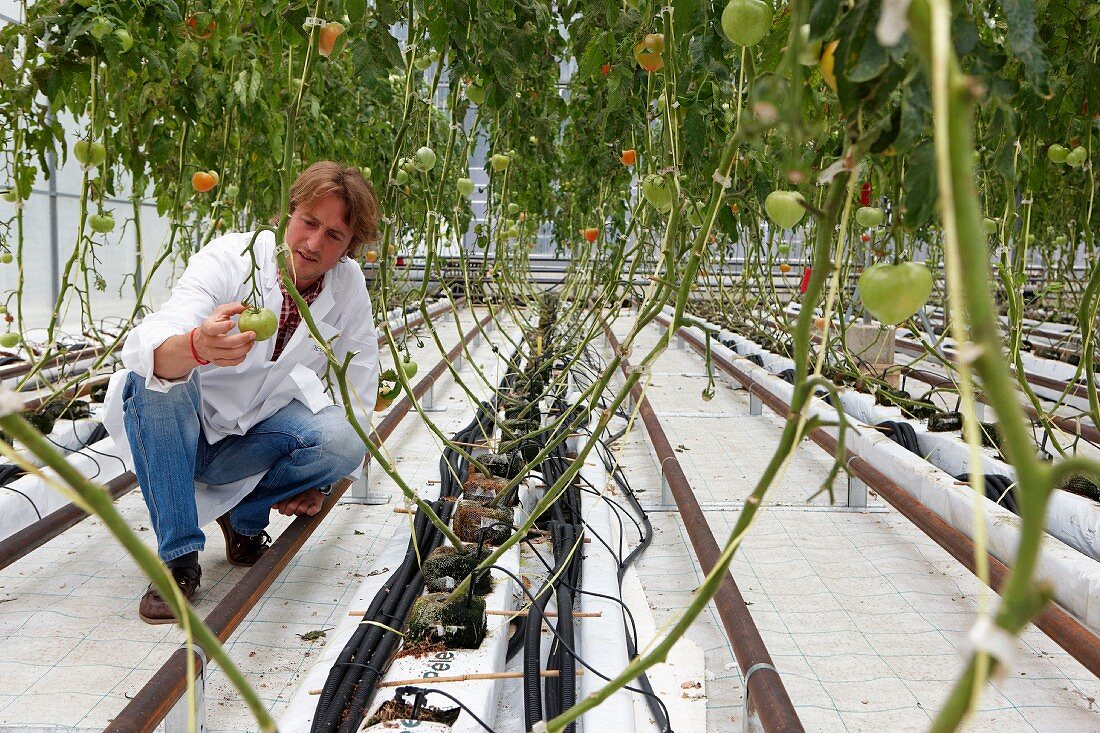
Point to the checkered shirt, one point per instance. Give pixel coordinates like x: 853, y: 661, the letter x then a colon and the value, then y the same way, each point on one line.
x: 290, y: 317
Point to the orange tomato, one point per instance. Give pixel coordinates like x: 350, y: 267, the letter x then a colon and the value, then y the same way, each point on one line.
x: 194, y: 21
x: 591, y: 234
x: 326, y: 39
x: 784, y: 268
x: 371, y: 255
x: 203, y: 181
x: 629, y: 157
x: 605, y: 69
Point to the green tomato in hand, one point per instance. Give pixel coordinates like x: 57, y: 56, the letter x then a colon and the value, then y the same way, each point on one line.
x: 892, y: 293
x: 261, y: 321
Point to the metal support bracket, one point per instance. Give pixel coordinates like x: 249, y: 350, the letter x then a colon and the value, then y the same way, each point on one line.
x: 427, y: 401
x: 756, y: 406
x: 459, y: 363
x: 748, y: 710
x: 857, y: 493
x: 176, y: 719
x: 681, y: 343
x: 360, y: 492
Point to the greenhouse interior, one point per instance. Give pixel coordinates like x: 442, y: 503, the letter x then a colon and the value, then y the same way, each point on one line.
x: 564, y: 367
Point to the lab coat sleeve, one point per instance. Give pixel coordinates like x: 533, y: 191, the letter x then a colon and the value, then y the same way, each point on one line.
x: 213, y: 276
x: 361, y: 336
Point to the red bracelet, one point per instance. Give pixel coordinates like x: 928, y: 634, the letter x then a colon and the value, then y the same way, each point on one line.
x: 195, y: 354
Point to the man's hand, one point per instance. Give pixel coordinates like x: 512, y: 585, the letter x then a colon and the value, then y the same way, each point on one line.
x: 214, y: 344
x: 305, y: 504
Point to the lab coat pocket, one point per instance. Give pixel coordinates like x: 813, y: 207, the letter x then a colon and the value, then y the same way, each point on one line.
x: 310, y: 388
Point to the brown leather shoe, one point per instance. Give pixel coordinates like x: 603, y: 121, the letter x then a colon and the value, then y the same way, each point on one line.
x: 154, y: 610
x: 242, y: 550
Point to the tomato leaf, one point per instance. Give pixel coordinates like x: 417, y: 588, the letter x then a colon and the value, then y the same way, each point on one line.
x: 355, y: 9
x: 822, y: 15
x: 1023, y: 41
x: 920, y: 185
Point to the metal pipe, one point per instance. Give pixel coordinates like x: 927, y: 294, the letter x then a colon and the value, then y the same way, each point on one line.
x: 1054, y: 621
x: 764, y: 686
x: 153, y: 701
x: 33, y: 536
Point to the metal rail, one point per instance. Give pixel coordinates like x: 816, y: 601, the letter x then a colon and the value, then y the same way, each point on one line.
x: 763, y: 685
x: 1054, y: 621
x: 159, y: 695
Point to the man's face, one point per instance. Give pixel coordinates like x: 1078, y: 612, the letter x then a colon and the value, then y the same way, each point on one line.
x: 318, y: 238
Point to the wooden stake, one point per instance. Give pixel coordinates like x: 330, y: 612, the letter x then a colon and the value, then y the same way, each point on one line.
x: 463, y: 678
x: 548, y: 614
x: 501, y: 612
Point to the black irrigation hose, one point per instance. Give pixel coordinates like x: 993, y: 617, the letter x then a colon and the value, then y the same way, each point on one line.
x: 354, y: 677
x: 999, y: 489
x: 903, y: 434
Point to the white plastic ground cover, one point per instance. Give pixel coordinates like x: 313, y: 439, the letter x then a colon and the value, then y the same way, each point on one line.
x: 602, y: 639
x: 479, y: 695
x: 1075, y: 520
x: 25, y: 500
x: 1074, y: 577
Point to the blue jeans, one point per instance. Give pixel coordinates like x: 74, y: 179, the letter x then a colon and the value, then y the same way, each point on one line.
x: 299, y: 450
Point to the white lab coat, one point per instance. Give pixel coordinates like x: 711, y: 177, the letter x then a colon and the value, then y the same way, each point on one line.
x: 236, y: 398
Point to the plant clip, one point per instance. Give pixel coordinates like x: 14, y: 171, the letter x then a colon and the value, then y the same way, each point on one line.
x: 723, y: 181
x: 312, y: 20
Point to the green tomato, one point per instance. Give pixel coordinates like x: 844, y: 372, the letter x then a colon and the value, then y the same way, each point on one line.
x: 101, y: 223
x: 746, y: 22
x: 783, y: 249
x: 657, y: 191
x: 1077, y: 156
x: 10, y: 195
x: 1057, y: 153
x: 422, y: 63
x: 475, y: 93
x: 870, y: 217
x: 784, y: 208
x: 892, y: 293
x: 9, y: 340
x: 124, y: 39
x: 409, y: 367
x: 89, y: 154
x: 6, y: 258
x: 261, y: 321
x: 465, y: 186
x: 1060, y: 240
x: 100, y: 28
x: 230, y: 192
x: 401, y: 177
x: 990, y: 226
x: 425, y: 159
x: 511, y: 232
x: 499, y: 161
x: 513, y: 209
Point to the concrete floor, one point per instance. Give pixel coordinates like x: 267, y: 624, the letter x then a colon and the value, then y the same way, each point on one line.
x: 864, y: 616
